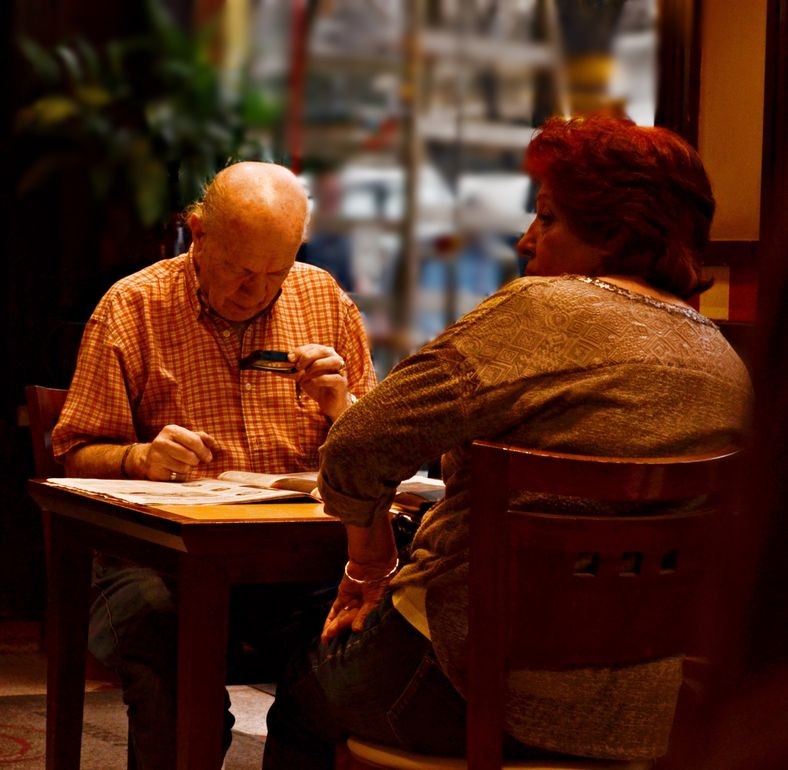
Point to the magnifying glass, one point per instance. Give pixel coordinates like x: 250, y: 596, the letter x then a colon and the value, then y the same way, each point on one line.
x: 275, y: 361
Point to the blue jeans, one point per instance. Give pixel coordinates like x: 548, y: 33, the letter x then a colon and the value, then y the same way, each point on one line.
x: 133, y: 630
x: 382, y: 684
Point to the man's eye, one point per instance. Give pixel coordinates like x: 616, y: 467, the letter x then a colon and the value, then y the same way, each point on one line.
x: 545, y: 217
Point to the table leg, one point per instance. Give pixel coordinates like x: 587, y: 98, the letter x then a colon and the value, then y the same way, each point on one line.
x: 68, y: 602
x: 203, y: 606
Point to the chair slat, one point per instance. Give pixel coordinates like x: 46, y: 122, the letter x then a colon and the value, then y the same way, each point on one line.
x: 556, y: 591
x: 44, y: 406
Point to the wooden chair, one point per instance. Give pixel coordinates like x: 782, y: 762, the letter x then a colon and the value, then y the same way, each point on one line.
x: 632, y: 584
x: 43, y: 407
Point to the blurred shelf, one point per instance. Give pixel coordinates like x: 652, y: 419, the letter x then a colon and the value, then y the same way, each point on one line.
x: 362, y: 63
x: 442, y: 127
x: 478, y: 50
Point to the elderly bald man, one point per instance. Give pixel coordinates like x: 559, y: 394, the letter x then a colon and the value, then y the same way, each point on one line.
x: 162, y: 391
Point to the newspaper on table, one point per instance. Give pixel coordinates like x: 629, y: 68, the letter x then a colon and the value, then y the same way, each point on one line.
x: 231, y: 487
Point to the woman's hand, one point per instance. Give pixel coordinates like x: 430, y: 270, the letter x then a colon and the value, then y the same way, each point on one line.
x: 356, y: 600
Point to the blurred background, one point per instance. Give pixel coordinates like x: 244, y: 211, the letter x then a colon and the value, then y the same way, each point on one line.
x: 406, y: 119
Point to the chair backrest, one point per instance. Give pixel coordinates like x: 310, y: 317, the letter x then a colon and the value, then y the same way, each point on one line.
x: 44, y: 406
x: 552, y: 590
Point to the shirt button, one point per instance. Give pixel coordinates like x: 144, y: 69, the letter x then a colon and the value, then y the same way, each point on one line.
x: 226, y: 333
x: 248, y: 386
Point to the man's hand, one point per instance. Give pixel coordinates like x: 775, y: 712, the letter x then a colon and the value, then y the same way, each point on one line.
x: 173, y: 454
x: 322, y: 376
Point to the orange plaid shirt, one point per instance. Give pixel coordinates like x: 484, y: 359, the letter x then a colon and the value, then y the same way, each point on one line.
x: 152, y: 354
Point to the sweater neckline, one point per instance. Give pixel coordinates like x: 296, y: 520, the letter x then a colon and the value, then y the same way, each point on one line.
x: 670, y: 307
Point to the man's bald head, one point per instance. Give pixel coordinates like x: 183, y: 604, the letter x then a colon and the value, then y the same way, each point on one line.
x: 246, y: 232
x: 266, y: 192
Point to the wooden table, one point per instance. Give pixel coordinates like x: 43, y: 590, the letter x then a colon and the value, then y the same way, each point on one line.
x: 207, y: 548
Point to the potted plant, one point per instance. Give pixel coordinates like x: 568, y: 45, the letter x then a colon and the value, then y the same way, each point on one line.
x: 147, y: 118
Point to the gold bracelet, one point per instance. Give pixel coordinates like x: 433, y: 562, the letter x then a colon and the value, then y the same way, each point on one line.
x: 123, y: 472
x: 380, y: 579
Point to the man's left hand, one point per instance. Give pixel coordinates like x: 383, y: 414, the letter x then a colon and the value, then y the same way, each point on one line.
x: 322, y: 375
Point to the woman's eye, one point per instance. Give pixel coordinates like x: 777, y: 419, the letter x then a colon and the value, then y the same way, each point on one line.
x: 545, y: 217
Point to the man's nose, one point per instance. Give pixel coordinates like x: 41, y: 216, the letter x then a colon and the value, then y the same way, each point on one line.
x: 254, y: 285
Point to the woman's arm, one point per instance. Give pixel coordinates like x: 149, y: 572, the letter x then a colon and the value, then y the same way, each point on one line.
x: 372, y: 562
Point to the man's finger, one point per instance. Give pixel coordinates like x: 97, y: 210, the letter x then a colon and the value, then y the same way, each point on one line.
x: 208, y: 440
x: 187, y: 439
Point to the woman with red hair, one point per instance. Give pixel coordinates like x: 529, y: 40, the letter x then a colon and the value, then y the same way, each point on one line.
x: 594, y: 351
x: 639, y: 194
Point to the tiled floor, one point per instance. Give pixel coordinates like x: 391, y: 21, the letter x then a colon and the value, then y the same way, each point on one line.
x: 23, y: 672
x: 22, y: 664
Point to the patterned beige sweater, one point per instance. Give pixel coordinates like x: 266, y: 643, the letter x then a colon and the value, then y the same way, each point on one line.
x: 565, y: 364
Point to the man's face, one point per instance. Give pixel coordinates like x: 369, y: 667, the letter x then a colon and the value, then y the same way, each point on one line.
x: 241, y: 267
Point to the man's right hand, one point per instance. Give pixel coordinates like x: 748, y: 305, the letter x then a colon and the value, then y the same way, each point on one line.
x: 173, y: 453
x: 171, y: 456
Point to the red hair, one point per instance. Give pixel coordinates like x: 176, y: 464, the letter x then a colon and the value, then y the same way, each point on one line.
x: 640, y: 192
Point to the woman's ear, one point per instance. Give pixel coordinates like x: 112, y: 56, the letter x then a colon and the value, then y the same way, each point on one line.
x: 612, y: 255
x: 603, y: 261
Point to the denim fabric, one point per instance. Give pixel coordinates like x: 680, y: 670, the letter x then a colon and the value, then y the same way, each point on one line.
x: 133, y: 629
x: 382, y: 684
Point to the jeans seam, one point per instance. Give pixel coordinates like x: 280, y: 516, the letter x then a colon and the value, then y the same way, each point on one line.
x: 396, y: 708
x: 109, y: 618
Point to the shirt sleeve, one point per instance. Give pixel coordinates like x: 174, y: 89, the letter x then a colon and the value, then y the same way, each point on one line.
x: 97, y: 408
x: 353, y: 346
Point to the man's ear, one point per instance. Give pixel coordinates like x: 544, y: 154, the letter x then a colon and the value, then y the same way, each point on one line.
x: 195, y: 225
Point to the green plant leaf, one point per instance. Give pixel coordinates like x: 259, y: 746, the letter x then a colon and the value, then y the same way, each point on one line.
x: 70, y: 63
x: 44, y: 168
x: 46, y: 113
x: 168, y: 35
x: 93, y: 96
x: 148, y: 178
x: 101, y: 178
x: 258, y: 110
x: 42, y: 62
x: 90, y: 58
x: 116, y: 57
x: 146, y: 116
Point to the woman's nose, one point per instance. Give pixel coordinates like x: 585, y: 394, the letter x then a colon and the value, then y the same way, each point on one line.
x: 527, y: 243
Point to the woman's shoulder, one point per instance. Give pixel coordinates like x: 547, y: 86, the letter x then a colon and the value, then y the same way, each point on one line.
x: 588, y: 295
x: 553, y: 292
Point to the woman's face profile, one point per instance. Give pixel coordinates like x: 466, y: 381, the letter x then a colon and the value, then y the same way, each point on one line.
x: 552, y: 248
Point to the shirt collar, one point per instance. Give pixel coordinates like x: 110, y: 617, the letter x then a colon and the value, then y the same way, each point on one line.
x: 193, y: 293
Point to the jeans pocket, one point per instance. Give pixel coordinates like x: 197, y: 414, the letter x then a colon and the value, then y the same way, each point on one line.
x: 429, y: 715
